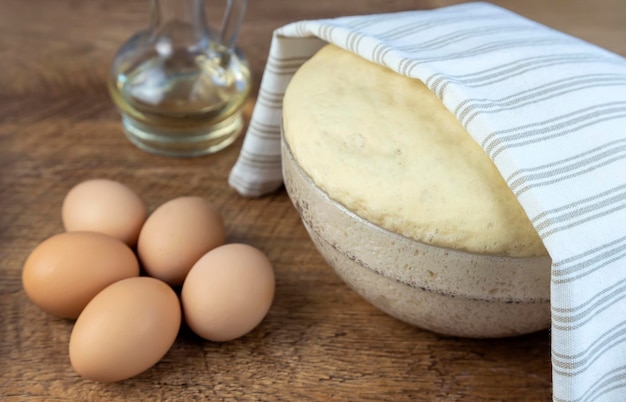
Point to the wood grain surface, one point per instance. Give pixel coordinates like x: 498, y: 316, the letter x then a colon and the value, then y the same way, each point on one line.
x: 320, y: 341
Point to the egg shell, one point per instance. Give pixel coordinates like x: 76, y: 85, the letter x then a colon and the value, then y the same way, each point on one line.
x: 64, y: 272
x: 105, y: 206
x: 228, y: 292
x: 126, y: 329
x: 176, y: 235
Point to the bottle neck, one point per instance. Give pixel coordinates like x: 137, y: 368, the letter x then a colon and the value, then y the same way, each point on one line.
x: 181, y: 21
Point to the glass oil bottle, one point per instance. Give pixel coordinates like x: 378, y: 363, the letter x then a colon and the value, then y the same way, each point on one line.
x: 180, y: 86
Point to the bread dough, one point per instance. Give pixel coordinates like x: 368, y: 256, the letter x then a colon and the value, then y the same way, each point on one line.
x: 385, y: 147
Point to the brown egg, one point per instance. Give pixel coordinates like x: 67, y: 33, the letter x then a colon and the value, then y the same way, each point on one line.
x: 126, y: 329
x: 228, y: 292
x: 104, y: 206
x: 65, y: 271
x: 176, y: 235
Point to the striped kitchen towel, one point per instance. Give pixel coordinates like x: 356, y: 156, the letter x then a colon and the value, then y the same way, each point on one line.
x: 549, y: 109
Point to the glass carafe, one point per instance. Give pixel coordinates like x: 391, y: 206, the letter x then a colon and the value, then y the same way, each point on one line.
x: 179, y: 85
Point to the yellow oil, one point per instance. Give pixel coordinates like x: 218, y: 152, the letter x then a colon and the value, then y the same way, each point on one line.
x: 184, y: 104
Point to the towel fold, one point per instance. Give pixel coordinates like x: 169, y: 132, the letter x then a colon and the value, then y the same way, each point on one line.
x: 548, y: 109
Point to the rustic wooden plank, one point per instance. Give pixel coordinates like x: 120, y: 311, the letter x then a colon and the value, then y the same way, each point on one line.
x: 320, y: 340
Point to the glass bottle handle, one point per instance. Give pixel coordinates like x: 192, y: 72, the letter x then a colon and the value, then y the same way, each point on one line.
x: 233, y: 16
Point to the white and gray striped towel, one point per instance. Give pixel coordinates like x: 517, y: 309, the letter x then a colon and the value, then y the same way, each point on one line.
x: 549, y: 109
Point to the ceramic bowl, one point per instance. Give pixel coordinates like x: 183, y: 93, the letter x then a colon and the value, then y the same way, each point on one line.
x: 443, y: 290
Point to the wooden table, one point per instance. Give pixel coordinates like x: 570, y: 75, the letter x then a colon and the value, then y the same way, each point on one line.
x: 320, y: 340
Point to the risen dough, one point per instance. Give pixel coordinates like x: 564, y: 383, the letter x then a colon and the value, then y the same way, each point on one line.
x: 385, y: 147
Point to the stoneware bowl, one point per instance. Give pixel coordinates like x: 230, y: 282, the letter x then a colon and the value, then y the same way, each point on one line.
x: 447, y: 291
